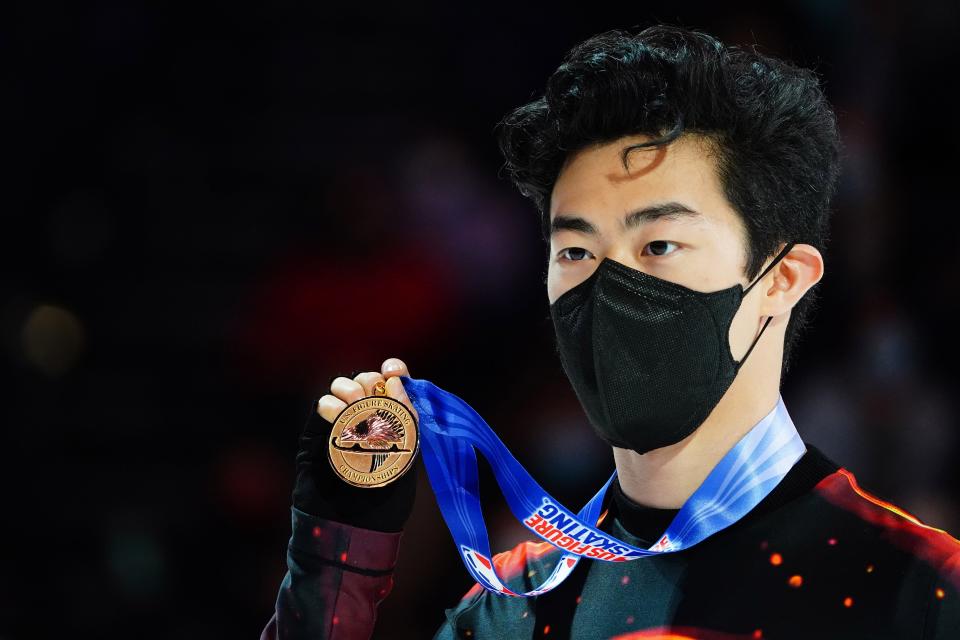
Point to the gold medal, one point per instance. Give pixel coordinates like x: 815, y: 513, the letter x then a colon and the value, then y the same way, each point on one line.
x: 374, y: 440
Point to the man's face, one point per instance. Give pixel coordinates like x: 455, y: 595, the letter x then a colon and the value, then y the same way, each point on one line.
x: 703, y: 249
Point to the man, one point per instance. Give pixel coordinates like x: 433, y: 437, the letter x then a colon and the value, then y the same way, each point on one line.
x: 685, y: 190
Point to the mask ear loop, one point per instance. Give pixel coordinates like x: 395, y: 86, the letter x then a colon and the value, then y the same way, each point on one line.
x: 777, y: 259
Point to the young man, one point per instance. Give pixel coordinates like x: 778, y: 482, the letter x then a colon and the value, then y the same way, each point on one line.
x: 685, y: 191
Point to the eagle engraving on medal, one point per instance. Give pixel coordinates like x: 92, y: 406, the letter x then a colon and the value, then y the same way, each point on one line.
x: 373, y: 442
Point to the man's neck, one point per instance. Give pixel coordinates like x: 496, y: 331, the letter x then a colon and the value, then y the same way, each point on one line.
x: 664, y: 478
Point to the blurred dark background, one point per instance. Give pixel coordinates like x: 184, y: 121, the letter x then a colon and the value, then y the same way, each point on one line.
x: 213, y: 208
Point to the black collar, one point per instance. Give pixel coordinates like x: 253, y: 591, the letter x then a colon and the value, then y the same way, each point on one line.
x: 647, y: 523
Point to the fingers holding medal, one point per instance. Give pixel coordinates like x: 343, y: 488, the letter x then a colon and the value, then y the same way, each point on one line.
x: 374, y: 439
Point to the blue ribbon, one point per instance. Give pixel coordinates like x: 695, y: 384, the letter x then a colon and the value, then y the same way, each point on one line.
x: 451, y: 432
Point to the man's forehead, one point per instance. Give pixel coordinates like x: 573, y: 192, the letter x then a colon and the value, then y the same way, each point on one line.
x: 677, y: 181
x: 618, y: 162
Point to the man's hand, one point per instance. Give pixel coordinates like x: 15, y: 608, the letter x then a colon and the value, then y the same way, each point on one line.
x: 343, y: 390
x: 319, y: 492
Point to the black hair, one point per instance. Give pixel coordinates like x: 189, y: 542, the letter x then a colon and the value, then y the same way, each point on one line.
x: 775, y: 135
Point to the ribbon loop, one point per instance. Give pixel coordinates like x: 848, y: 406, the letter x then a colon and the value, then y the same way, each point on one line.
x: 451, y: 432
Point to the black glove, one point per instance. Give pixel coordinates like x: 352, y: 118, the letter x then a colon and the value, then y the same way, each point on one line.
x: 320, y: 492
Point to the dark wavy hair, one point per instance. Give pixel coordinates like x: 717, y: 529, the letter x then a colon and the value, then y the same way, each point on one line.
x: 775, y: 134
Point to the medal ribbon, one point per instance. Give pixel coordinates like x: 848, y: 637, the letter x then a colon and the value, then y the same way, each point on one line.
x: 451, y: 432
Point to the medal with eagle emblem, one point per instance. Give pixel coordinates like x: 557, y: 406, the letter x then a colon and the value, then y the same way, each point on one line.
x: 374, y: 440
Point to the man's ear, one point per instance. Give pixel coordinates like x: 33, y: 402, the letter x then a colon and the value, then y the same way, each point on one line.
x: 786, y: 283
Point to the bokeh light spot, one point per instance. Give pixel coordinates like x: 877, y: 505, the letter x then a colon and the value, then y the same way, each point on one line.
x: 52, y: 340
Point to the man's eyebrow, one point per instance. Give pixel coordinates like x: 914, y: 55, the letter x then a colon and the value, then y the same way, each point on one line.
x: 631, y: 220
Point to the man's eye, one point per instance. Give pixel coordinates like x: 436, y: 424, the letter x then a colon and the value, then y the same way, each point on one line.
x: 576, y: 251
x: 659, y: 248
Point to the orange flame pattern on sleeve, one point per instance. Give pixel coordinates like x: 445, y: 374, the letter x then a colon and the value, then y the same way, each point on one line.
x: 932, y: 545
x: 682, y: 633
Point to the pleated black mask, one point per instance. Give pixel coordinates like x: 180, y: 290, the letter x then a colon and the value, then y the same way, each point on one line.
x: 648, y: 359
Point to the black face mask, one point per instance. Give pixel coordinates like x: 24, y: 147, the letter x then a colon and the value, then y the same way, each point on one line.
x: 648, y: 359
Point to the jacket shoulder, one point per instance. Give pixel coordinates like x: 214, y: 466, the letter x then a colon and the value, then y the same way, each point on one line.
x: 893, y: 524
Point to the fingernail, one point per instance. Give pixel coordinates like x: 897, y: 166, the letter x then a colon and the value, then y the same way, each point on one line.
x: 391, y: 365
